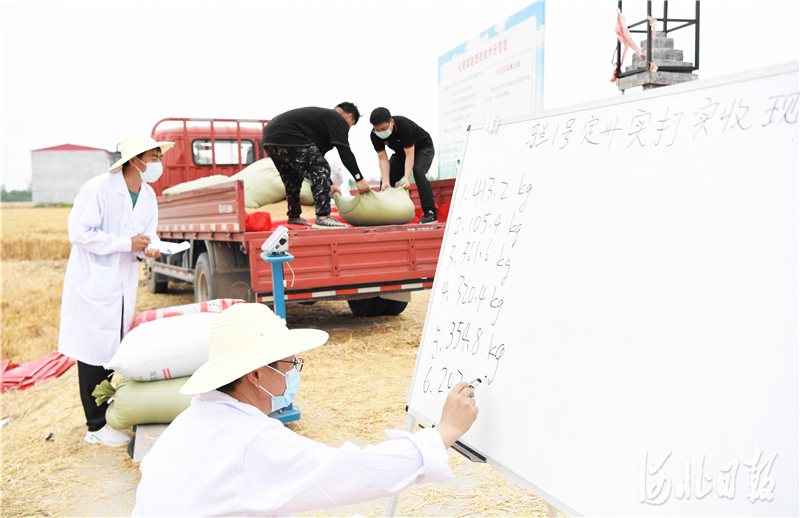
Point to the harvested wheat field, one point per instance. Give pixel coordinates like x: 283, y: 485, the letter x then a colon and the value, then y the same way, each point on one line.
x: 34, y: 234
x: 344, y: 397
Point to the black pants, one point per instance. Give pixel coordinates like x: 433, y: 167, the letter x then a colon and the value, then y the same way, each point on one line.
x: 297, y: 163
x: 89, y: 376
x: 423, y: 158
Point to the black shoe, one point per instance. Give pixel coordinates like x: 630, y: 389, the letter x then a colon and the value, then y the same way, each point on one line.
x: 298, y: 221
x: 328, y: 222
x: 428, y: 218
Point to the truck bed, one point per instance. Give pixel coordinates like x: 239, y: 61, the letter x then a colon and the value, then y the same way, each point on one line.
x: 340, y: 263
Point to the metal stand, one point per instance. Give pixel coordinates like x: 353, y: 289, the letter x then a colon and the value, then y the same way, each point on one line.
x: 290, y: 413
x: 391, y: 507
x: 275, y: 259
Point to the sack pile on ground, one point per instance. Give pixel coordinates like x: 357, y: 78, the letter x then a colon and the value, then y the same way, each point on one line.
x: 155, y: 359
x: 164, y: 349
x: 211, y: 306
x: 134, y: 402
x: 390, y: 207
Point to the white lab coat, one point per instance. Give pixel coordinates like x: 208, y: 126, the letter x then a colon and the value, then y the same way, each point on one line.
x: 222, y: 457
x: 102, y: 270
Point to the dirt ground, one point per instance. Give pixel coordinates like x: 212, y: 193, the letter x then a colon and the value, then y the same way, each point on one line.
x: 49, y: 470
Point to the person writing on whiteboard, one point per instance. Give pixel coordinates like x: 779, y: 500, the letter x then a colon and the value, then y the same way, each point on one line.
x: 224, y: 456
x: 112, y: 222
x: 413, y: 154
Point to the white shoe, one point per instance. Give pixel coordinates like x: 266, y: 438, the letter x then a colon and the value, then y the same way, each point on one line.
x: 107, y: 436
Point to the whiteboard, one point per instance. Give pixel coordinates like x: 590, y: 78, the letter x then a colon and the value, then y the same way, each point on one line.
x: 623, y: 275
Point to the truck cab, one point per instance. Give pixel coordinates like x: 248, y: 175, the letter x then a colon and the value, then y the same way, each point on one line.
x: 207, y: 147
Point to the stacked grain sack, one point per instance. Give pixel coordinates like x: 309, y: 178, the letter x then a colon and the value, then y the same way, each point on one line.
x: 163, y: 348
x: 262, y: 185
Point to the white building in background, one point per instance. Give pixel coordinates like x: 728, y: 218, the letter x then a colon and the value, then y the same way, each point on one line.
x: 57, y: 173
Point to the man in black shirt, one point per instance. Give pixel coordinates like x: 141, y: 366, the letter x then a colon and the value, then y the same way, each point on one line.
x: 413, y: 153
x: 297, y: 141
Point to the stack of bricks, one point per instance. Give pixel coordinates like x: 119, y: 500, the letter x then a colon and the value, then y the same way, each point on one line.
x: 663, y: 55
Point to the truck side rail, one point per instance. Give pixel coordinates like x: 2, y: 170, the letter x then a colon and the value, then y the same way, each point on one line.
x: 215, y: 213
x: 335, y: 259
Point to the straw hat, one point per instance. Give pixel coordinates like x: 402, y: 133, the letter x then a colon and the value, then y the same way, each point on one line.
x: 245, y: 337
x: 135, y: 144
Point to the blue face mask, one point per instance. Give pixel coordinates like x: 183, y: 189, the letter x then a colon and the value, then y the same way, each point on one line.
x: 292, y: 386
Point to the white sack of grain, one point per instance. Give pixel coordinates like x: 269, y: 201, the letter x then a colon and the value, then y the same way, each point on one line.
x: 164, y: 349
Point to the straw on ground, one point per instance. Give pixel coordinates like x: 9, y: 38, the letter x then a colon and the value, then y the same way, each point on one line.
x: 353, y: 389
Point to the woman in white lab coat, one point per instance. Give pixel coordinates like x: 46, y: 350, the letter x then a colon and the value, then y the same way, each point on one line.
x: 112, y: 222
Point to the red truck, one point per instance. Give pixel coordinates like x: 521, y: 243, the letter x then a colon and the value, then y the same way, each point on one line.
x: 374, y: 268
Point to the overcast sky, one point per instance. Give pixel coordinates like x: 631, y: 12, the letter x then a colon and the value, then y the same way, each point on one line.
x: 88, y: 73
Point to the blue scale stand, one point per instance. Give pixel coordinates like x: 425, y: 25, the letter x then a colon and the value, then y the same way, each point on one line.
x: 290, y: 413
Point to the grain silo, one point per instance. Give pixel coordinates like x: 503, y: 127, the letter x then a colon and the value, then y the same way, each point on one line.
x: 57, y: 173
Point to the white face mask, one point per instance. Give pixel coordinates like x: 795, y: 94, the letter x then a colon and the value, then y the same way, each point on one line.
x: 152, y: 171
x: 385, y: 134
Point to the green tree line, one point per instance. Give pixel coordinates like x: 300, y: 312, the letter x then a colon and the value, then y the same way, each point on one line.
x: 14, y: 195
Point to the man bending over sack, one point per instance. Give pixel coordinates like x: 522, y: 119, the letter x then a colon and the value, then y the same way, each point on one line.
x: 224, y: 456
x: 413, y: 153
x: 112, y: 222
x: 297, y: 141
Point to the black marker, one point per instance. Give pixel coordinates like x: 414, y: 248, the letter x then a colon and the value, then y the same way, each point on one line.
x: 473, y: 385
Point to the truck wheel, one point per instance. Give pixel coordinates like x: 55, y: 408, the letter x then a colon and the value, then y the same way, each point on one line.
x: 394, y: 307
x: 203, y: 279
x: 156, y: 283
x: 373, y: 307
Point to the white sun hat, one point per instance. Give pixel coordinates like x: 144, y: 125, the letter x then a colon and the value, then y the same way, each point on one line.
x: 135, y: 144
x: 245, y: 337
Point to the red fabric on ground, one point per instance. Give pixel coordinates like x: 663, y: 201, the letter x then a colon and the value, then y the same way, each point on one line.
x: 21, y: 376
x: 276, y: 224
